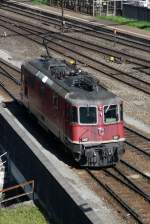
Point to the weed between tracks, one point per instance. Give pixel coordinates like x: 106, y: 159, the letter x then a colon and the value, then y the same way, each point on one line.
x: 126, y: 21
x: 40, y: 2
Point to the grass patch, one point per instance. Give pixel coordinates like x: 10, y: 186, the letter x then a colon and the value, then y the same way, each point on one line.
x: 22, y: 215
x: 45, y: 2
x: 126, y: 21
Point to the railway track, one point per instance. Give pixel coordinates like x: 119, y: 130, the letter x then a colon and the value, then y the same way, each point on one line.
x: 90, y: 28
x: 83, y: 55
x: 127, y: 183
x: 125, y: 192
x: 131, y: 193
x: 137, y: 141
x: 10, y: 79
x: 104, y: 50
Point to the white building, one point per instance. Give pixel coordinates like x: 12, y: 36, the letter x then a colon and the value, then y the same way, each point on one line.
x: 141, y: 3
x: 2, y: 175
x: 144, y: 3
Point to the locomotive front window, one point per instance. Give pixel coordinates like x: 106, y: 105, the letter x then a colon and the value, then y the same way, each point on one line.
x: 88, y: 115
x: 111, y: 114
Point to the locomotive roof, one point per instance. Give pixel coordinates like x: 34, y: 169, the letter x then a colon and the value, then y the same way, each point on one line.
x: 75, y: 85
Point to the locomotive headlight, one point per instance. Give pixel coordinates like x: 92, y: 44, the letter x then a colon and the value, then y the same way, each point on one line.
x: 84, y: 139
x: 116, y: 137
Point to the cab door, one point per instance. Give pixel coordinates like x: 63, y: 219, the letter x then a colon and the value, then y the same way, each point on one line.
x: 25, y: 89
x: 67, y: 119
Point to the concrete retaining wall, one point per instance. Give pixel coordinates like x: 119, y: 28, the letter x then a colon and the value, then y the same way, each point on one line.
x: 57, y: 196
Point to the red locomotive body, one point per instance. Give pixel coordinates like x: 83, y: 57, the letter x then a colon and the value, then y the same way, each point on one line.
x: 83, y: 115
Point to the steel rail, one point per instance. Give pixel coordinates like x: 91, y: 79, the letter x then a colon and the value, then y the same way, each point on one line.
x: 31, y: 14
x: 110, y: 51
x: 135, y: 169
x: 7, y: 91
x: 120, y: 40
x: 117, y: 198
x: 9, y: 65
x: 139, y: 134
x: 115, y: 76
x: 86, y: 26
x: 131, y: 184
x: 140, y: 150
x: 6, y: 74
x: 97, y: 67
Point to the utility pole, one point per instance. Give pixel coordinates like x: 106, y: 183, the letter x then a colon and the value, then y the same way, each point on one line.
x: 100, y: 7
x: 93, y: 7
x: 107, y: 13
x: 114, y: 8
x: 76, y: 5
x: 115, y: 37
x: 121, y: 5
x: 62, y: 15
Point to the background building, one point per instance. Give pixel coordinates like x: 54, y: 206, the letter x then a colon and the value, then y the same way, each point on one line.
x: 92, y: 7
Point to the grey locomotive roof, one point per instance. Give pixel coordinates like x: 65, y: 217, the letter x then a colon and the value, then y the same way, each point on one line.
x: 76, y: 86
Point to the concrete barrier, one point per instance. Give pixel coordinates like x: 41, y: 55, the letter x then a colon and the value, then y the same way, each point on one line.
x: 57, y: 196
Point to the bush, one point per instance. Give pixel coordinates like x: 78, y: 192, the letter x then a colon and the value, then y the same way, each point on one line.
x: 45, y: 2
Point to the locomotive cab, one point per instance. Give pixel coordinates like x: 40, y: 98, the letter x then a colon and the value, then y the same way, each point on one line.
x: 96, y: 134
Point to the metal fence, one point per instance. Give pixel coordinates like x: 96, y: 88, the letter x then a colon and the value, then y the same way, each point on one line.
x: 27, y: 187
x: 135, y: 12
x: 3, y: 159
x: 92, y: 7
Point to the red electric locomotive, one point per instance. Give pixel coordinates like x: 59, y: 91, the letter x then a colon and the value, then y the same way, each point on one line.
x: 87, y: 118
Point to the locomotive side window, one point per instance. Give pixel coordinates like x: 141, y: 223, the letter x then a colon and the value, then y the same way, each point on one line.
x: 73, y: 115
x: 88, y: 115
x: 111, y: 114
